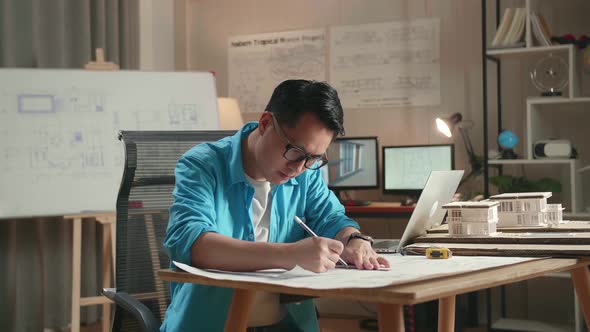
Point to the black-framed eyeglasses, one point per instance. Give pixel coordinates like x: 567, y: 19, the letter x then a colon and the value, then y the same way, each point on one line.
x: 296, y: 154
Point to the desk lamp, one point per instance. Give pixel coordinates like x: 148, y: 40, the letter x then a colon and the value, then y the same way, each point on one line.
x: 230, y: 117
x: 446, y: 127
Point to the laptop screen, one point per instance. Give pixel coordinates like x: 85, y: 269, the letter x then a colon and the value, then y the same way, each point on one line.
x: 438, y: 191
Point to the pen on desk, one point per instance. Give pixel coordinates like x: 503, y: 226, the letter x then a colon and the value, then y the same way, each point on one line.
x: 310, y: 232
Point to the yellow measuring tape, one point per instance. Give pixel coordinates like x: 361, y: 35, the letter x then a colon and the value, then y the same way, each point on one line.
x: 438, y: 253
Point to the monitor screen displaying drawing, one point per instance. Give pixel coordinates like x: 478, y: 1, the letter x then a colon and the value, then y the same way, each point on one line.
x: 406, y: 168
x: 352, y: 164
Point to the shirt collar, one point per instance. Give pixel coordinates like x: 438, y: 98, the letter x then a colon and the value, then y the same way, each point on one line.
x: 236, y: 167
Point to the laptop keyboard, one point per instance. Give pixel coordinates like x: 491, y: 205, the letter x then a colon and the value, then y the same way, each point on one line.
x: 385, y: 244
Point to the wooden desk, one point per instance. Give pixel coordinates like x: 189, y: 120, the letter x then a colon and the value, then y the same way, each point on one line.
x: 392, y: 298
x: 379, y: 209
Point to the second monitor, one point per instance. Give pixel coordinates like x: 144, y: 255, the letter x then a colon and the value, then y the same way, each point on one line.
x: 407, y: 168
x: 353, y: 164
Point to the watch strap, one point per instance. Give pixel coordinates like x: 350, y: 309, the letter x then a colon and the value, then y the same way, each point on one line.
x: 358, y: 235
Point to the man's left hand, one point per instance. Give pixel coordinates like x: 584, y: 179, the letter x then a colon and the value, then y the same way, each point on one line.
x: 360, y: 253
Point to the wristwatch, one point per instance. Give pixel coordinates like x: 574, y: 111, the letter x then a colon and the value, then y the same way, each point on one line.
x: 357, y: 235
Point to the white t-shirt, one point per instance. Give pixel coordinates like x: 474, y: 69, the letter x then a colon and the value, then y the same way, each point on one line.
x: 260, y: 209
x: 266, y: 309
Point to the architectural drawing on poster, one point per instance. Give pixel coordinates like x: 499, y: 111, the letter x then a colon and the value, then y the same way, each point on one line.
x: 259, y: 62
x: 386, y: 64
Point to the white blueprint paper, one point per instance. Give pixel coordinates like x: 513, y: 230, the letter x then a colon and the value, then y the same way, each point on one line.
x: 403, y: 269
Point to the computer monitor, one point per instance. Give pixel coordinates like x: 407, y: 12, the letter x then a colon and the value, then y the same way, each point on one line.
x: 353, y: 163
x: 406, y: 168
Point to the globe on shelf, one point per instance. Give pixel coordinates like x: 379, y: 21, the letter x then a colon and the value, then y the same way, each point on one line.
x: 507, y: 141
x: 550, y: 75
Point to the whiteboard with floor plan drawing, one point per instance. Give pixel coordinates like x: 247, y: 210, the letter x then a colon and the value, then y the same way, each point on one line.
x: 59, y: 151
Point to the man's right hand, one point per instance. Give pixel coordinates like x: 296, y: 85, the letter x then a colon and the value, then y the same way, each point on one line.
x: 317, y: 254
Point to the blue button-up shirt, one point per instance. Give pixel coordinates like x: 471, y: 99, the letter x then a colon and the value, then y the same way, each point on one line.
x: 212, y: 194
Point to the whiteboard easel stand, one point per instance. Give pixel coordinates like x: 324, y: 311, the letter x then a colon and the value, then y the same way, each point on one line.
x: 100, y: 64
x: 107, y: 220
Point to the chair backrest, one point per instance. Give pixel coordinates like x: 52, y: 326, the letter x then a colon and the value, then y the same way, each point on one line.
x: 142, y: 215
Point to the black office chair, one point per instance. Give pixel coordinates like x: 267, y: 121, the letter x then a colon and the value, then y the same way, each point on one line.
x: 142, y: 216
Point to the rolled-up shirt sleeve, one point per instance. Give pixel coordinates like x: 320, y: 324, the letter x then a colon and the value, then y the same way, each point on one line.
x: 192, y: 213
x: 324, y: 213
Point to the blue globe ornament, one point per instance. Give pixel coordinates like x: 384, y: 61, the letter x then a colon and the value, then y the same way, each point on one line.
x: 507, y: 139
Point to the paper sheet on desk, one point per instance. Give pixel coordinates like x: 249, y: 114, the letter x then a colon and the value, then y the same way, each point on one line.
x: 403, y: 269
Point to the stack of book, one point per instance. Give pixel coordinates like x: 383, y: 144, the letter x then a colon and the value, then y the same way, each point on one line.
x: 510, y: 32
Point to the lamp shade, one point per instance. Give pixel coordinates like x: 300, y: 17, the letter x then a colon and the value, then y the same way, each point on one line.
x: 230, y: 117
x: 446, y: 125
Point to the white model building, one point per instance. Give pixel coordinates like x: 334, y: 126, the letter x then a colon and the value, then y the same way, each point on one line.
x: 472, y: 218
x: 553, y: 214
x: 521, y: 209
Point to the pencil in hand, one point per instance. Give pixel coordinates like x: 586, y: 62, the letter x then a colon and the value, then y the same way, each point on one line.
x: 311, y: 233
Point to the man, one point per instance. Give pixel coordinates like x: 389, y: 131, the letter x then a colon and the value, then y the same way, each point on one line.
x: 234, y: 205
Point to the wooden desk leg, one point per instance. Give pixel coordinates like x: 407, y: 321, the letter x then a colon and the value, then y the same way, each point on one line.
x: 581, y: 280
x: 239, y: 310
x: 76, y: 261
x: 446, y: 314
x: 391, y: 317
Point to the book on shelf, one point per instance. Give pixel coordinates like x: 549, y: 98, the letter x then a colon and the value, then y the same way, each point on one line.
x: 503, y: 27
x: 510, y: 32
x: 541, y: 33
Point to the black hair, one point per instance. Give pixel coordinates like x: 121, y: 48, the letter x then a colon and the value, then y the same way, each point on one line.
x: 292, y: 98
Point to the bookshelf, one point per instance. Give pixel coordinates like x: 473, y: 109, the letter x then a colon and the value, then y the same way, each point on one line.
x: 500, y: 53
x: 538, y: 114
x: 537, y: 126
x: 530, y: 161
x: 566, y: 51
x: 521, y: 25
x: 567, y: 173
x: 537, y: 109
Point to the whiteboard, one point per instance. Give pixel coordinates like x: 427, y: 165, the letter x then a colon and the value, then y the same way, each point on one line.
x: 386, y: 64
x: 59, y: 151
x: 259, y: 62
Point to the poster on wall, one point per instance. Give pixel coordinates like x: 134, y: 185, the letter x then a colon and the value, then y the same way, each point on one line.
x: 259, y: 62
x: 386, y: 64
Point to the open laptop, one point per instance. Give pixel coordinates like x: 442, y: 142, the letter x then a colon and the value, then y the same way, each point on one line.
x: 428, y: 213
